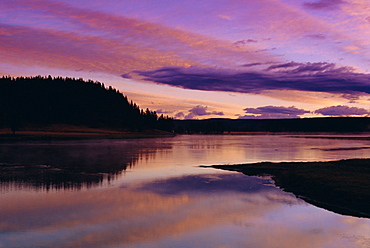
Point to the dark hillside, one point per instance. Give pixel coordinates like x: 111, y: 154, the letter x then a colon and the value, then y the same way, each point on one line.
x: 29, y: 101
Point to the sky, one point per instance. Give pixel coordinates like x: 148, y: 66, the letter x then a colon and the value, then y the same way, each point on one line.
x: 201, y: 59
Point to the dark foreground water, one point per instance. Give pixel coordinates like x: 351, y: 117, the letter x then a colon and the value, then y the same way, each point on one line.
x: 152, y: 193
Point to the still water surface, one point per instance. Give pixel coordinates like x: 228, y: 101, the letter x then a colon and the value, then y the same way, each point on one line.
x: 152, y: 193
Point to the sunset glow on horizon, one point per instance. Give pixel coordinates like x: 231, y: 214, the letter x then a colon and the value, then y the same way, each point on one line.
x: 201, y: 59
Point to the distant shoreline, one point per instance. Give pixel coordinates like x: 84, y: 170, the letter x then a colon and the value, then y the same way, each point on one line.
x: 69, y: 132
x: 299, y: 125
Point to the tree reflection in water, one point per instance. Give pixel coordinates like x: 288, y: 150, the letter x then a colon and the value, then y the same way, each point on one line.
x: 70, y: 165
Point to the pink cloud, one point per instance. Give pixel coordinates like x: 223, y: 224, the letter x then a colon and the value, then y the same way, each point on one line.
x: 118, y: 42
x: 108, y: 42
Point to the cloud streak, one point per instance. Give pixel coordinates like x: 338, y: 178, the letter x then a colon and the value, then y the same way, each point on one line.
x: 121, y: 43
x: 117, y: 44
x: 315, y: 77
x: 324, y: 4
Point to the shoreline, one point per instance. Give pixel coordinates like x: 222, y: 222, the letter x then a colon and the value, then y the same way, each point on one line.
x: 67, y: 132
x: 339, y: 186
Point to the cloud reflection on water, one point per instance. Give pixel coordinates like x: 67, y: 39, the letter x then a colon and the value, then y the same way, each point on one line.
x: 131, y: 216
x: 208, y: 184
x: 252, y: 213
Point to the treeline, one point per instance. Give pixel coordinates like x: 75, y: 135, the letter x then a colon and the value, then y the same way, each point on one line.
x: 208, y: 126
x: 28, y: 101
x: 328, y: 124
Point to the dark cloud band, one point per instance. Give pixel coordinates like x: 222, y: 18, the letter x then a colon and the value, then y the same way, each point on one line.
x: 316, y: 77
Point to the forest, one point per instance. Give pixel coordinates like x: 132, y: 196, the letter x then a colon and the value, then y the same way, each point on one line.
x: 41, y: 101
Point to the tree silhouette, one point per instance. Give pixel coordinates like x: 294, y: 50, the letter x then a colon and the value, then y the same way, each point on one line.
x: 38, y: 100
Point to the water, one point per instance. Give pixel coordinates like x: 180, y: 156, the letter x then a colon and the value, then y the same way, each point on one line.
x: 152, y: 193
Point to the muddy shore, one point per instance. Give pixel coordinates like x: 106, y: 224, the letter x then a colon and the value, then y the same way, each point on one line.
x: 339, y: 186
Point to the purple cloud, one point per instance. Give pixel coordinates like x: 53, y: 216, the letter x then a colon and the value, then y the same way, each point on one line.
x: 309, y: 68
x: 244, y: 42
x: 252, y: 64
x: 126, y: 75
x: 197, y: 111
x: 351, y: 98
x: 342, y: 111
x: 179, y: 115
x: 190, y: 116
x: 317, y: 77
x: 273, y: 112
x: 317, y: 36
x: 200, y: 110
x: 285, y: 65
x: 162, y: 111
x: 324, y: 4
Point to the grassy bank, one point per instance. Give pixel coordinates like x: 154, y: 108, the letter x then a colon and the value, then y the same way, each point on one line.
x: 339, y: 186
x: 68, y: 132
